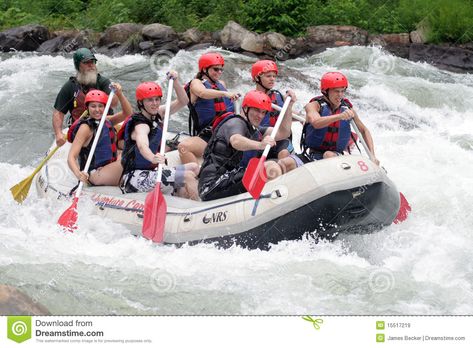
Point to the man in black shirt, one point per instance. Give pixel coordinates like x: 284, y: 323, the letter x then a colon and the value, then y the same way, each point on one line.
x: 71, y: 97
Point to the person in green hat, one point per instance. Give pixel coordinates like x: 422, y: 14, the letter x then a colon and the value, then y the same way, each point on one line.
x: 71, y: 97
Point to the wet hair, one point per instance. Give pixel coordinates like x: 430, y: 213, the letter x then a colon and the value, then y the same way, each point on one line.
x: 200, y: 75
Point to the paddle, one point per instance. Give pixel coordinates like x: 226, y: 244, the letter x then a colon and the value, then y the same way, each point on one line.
x: 20, y: 190
x: 154, y: 215
x: 295, y: 115
x: 255, y: 176
x: 68, y: 219
x: 404, y: 207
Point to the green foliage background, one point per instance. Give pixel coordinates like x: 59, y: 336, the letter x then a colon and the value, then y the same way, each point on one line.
x: 445, y: 20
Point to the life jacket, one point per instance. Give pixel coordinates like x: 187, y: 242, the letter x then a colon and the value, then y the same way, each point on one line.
x: 204, y: 112
x: 221, y: 155
x: 106, y: 150
x: 220, y: 118
x: 121, y: 131
x: 272, y: 116
x: 79, y: 100
x: 334, y: 137
x: 249, y: 154
x: 131, y: 156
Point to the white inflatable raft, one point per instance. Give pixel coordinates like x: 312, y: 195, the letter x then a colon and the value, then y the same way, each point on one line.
x: 346, y: 194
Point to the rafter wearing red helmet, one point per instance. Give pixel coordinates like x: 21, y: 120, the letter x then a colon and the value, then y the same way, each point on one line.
x: 105, y: 168
x: 142, y: 141
x: 234, y: 141
x: 264, y: 73
x: 209, y: 101
x: 327, y: 130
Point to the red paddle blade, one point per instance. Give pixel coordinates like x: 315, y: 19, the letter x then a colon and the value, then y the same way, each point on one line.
x: 154, y: 215
x: 68, y: 219
x: 404, y: 210
x: 255, y: 177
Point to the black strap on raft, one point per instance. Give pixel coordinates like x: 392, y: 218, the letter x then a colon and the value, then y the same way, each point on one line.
x: 304, y: 147
x: 356, y: 143
x: 71, y: 192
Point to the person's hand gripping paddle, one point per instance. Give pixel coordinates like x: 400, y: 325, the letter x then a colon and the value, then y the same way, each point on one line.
x: 255, y: 176
x: 68, y: 219
x: 154, y: 216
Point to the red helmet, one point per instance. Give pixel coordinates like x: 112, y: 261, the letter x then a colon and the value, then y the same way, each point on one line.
x: 333, y: 80
x: 208, y: 59
x: 257, y: 99
x: 95, y: 95
x: 148, y: 90
x: 263, y: 66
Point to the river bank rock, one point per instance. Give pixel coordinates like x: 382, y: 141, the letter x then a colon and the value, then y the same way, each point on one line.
x: 194, y: 36
x: 232, y: 36
x: 445, y: 57
x: 330, y: 34
x: 24, y: 38
x: 130, y: 38
x: 159, y: 33
x: 119, y: 33
x: 15, y: 302
x: 67, y: 41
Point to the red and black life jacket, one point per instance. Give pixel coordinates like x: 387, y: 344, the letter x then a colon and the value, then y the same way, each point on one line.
x: 79, y: 100
x: 334, y: 137
x: 272, y: 116
x: 219, y: 156
x: 203, y: 113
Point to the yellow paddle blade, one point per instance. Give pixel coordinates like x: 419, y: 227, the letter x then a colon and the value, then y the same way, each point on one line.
x: 20, y: 190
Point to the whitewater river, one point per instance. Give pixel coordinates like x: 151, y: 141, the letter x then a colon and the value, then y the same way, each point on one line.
x: 421, y: 119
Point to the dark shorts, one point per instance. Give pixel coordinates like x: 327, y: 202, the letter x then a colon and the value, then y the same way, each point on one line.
x: 281, y: 145
x: 145, y: 180
x: 205, y: 134
x: 228, y: 184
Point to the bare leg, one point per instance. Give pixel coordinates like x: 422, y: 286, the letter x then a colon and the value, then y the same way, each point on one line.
x: 190, y: 149
x: 329, y: 154
x: 273, y: 170
x: 107, y: 175
x: 287, y: 164
x: 283, y: 154
x: 189, y: 190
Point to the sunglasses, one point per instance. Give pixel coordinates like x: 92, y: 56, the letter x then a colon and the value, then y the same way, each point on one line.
x: 217, y: 69
x: 89, y: 61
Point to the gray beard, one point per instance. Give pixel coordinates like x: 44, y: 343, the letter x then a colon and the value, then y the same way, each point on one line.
x: 88, y: 78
